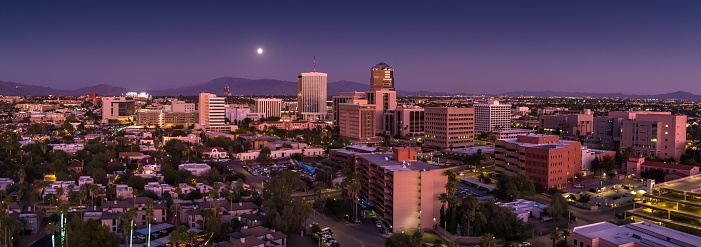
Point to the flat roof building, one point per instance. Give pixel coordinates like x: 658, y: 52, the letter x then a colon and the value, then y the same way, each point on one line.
x: 449, y: 127
x: 492, y: 116
x: 357, y: 121
x: 634, y: 234
x: 545, y: 159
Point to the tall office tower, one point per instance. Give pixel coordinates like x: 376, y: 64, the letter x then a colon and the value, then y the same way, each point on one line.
x: 181, y: 106
x: 383, y: 100
x: 492, y: 116
x: 311, y: 95
x: 271, y: 107
x: 381, y: 77
x: 118, y: 108
x: 449, y: 126
x: 357, y: 121
x: 345, y: 97
x: 211, y: 110
x: 545, y: 159
x: 659, y: 134
x: 406, y: 122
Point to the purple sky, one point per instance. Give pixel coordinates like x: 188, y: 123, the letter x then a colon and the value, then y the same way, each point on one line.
x: 643, y: 47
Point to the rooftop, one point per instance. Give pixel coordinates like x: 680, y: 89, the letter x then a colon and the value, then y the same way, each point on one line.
x: 385, y: 161
x: 640, y: 232
x: 690, y: 183
x: 667, y: 165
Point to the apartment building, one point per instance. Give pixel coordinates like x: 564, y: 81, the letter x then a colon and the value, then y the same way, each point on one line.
x: 403, y: 191
x: 545, y: 159
x: 447, y: 127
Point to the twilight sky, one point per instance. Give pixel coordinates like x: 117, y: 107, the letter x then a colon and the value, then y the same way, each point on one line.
x: 644, y: 47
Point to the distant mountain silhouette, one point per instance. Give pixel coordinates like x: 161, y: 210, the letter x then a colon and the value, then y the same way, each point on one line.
x: 681, y: 95
x: 243, y: 86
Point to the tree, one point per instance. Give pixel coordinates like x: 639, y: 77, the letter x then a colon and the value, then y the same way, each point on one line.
x: 558, y: 207
x: 566, y: 233
x: 654, y: 173
x: 398, y: 240
x: 554, y: 236
x: 282, y: 211
x: 149, y: 216
x: 89, y: 233
x: 511, y: 187
x: 488, y: 240
x: 417, y: 238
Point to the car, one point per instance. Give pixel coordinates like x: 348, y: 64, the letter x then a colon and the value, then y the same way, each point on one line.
x: 579, y: 186
x: 524, y: 244
x: 378, y: 225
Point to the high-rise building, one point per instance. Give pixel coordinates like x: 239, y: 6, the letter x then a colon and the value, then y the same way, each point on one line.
x: 545, y: 159
x: 383, y: 100
x: 346, y: 97
x: 311, y: 95
x: 406, y: 122
x: 659, y: 134
x: 447, y: 127
x: 118, y: 108
x: 492, y: 116
x: 381, y: 77
x: 357, y: 121
x: 183, y: 107
x: 403, y: 191
x: 271, y: 107
x: 211, y: 111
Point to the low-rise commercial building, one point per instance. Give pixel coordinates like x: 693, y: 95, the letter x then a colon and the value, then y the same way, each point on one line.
x: 638, y: 234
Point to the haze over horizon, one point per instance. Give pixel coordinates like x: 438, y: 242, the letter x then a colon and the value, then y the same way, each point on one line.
x: 632, y: 47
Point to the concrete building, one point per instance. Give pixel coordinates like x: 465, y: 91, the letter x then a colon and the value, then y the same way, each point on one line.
x: 404, y: 121
x: 357, y: 121
x: 512, y: 133
x: 271, y: 107
x: 37, y: 107
x: 492, y: 116
x: 638, y: 234
x: 166, y: 119
x: 589, y: 154
x: 573, y: 125
x: 237, y: 114
x: 383, y: 100
x: 403, y: 191
x: 635, y: 165
x: 381, y: 77
x: 659, y: 134
x: 183, y: 107
x: 545, y: 159
x: 449, y: 126
x: 524, y: 208
x: 212, y: 113
x: 346, y: 97
x: 311, y: 95
x: 281, y: 153
x: 118, y: 108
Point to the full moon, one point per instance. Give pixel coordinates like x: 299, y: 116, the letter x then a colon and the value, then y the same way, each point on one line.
x: 260, y: 50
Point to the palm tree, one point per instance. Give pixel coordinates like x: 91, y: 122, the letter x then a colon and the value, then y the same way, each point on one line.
x: 566, y: 233
x: 174, y: 211
x: 470, y: 215
x: 51, y: 228
x: 554, y: 236
x: 127, y: 225
x: 450, y: 185
x: 59, y: 194
x: 355, y: 188
x: 149, y: 216
x: 417, y: 238
x: 21, y: 175
x: 443, y: 198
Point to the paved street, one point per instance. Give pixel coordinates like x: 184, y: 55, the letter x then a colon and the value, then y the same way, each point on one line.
x: 365, y: 234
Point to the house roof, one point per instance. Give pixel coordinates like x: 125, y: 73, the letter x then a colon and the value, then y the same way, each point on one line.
x: 210, y: 149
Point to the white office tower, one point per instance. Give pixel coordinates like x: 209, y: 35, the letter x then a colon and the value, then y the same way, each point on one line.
x: 271, y: 107
x: 212, y: 112
x: 492, y: 116
x: 311, y: 95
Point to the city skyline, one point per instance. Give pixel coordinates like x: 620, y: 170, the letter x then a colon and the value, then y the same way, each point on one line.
x: 470, y: 47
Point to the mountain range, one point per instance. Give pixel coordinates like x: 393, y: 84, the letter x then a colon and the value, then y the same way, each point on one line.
x: 243, y: 86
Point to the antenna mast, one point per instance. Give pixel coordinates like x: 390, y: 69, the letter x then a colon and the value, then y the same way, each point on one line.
x: 314, y: 63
